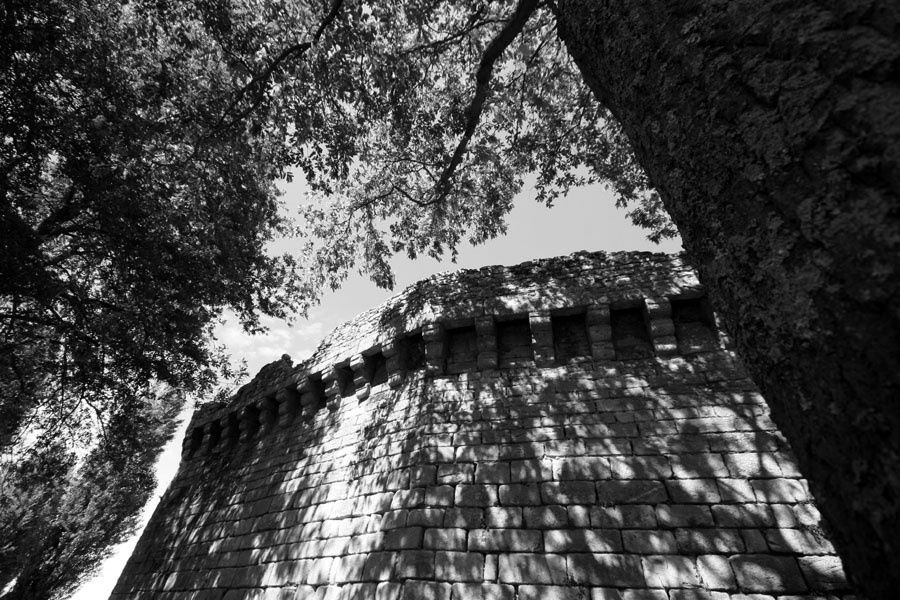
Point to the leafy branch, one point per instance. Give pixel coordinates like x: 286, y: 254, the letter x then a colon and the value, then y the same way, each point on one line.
x: 258, y: 80
x: 524, y: 10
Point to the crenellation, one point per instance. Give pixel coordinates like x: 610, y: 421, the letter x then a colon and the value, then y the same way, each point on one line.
x: 360, y: 374
x: 249, y: 423
x: 211, y: 435
x: 485, y: 343
x: 288, y: 399
x: 570, y: 335
x: 541, y: 338
x: 630, y: 330
x: 569, y: 428
x: 267, y: 415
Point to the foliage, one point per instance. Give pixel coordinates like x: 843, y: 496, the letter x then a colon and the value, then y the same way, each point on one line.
x: 59, y: 514
x: 130, y: 218
x: 417, y: 121
x: 140, y: 143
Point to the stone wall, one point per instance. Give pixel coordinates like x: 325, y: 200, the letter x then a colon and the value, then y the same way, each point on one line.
x: 568, y: 428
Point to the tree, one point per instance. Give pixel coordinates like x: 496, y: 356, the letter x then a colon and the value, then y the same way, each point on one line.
x: 59, y: 514
x: 133, y: 213
x: 768, y: 130
x: 783, y: 125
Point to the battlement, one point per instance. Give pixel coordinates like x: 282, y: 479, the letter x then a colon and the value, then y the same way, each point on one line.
x: 584, y: 307
x: 567, y: 428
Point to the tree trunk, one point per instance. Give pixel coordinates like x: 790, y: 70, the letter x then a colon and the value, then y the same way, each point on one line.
x: 772, y: 131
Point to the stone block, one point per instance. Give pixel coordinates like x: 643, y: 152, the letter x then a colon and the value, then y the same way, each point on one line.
x: 607, y: 570
x: 754, y: 541
x: 492, y: 472
x: 824, y: 573
x: 531, y: 470
x: 545, y: 517
x: 347, y: 568
x: 579, y: 516
x: 385, y: 591
x: 603, y: 351
x: 631, y: 492
x: 768, y: 574
x: 425, y: 590
x: 779, y: 490
x: 640, y: 467
x: 587, y: 468
x: 670, y: 571
x: 716, y: 573
x: 743, y: 515
x: 665, y: 345
x: 661, y: 327
x: 519, y: 494
x: 685, y: 515
x: 425, y: 517
x: 532, y: 568
x: 414, y: 564
x: 403, y: 538
x: 798, y: 541
x: 703, y: 541
x: 693, y: 491
x: 503, y: 517
x: 699, y: 465
x: 408, y: 499
x: 652, y: 594
x: 487, y: 359
x: 483, y: 591
x: 735, y: 490
x: 752, y: 465
x: 648, y: 541
x: 551, y: 592
x: 658, y: 308
x: 455, y: 473
x: 445, y: 539
x: 564, y: 541
x: 379, y: 566
x: 606, y: 594
x: 459, y: 566
x: 568, y: 492
x: 319, y: 570
x: 505, y: 540
x: 476, y: 495
x: 465, y: 517
x: 439, y: 495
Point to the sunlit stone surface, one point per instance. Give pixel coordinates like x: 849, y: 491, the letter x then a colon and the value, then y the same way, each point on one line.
x: 570, y: 428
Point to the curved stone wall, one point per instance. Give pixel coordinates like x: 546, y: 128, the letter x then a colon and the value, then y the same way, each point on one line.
x: 567, y: 428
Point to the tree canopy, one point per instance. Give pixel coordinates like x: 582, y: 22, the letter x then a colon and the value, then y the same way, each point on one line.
x: 140, y: 146
x: 415, y: 123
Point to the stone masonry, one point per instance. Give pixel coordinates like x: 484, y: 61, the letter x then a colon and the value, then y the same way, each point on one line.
x: 567, y: 429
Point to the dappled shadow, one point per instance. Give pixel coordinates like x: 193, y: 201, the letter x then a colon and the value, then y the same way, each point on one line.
x: 527, y: 441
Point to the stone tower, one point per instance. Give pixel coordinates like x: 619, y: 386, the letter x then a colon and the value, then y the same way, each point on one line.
x: 571, y: 428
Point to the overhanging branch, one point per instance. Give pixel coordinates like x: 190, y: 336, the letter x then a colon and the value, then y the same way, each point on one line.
x: 513, y: 27
x: 285, y: 55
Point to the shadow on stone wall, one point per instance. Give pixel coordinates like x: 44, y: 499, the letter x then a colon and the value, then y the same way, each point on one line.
x: 621, y: 453
x: 519, y: 483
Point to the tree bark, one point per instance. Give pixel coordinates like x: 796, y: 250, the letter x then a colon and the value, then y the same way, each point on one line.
x: 771, y: 130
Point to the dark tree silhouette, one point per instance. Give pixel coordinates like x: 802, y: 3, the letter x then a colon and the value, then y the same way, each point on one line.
x: 772, y: 133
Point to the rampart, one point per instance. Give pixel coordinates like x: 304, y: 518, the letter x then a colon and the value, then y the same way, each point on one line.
x: 570, y: 428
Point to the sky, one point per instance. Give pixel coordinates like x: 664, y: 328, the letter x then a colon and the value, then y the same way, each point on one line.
x: 586, y: 219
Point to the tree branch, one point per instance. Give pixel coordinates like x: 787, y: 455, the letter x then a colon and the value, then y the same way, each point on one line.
x: 435, y: 45
x: 524, y: 10
x: 283, y: 57
x: 64, y: 213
